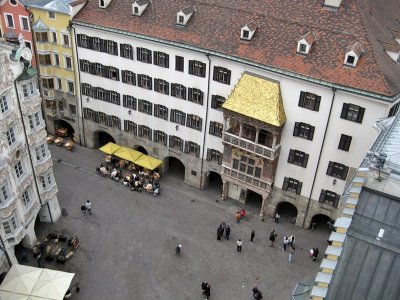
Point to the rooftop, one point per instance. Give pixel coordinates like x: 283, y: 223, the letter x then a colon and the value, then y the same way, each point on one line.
x: 61, y: 6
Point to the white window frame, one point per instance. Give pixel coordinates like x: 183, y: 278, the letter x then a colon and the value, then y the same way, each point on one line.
x: 32, y: 88
x: 4, y: 105
x: 12, y: 223
x: 59, y: 83
x: 5, y: 195
x: 27, y: 21
x: 11, y: 136
x: 34, y: 121
x: 51, y: 12
x: 53, y: 41
x: 55, y: 60
x: 25, y: 90
x: 47, y: 181
x: 41, y: 152
x: 6, y: 19
x: 65, y: 63
x: 19, y: 170
x: 69, y: 91
x: 26, y: 199
x: 69, y: 39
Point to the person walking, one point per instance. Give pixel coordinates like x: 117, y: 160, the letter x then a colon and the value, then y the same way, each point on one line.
x: 219, y: 233
x: 223, y: 226
x: 252, y: 236
x: 277, y: 217
x: 239, y: 244
x: 206, y: 289
x: 291, y: 254
x: 285, y: 243
x: 238, y: 216
x: 291, y: 240
x: 227, y: 232
x: 315, y: 254
x: 272, y: 237
x: 39, y: 259
x: 88, y: 206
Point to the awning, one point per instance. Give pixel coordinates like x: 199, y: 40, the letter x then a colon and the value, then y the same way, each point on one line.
x: 258, y: 98
x: 128, y: 154
x: 148, y: 162
x: 21, y: 279
x: 110, y: 148
x: 302, y: 291
x: 52, y: 284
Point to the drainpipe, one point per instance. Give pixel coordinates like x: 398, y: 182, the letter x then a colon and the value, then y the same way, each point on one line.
x: 320, y: 154
x: 205, y: 122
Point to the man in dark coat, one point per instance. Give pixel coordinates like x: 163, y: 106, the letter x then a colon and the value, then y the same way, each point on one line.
x: 219, y: 233
x: 227, y: 232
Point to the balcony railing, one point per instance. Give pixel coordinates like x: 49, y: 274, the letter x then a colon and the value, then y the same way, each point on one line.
x: 15, y: 237
x: 8, y: 207
x: 250, y: 146
x: 264, y: 185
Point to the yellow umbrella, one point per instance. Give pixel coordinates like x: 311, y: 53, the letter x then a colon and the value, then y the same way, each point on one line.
x: 148, y: 162
x: 110, y: 148
x: 128, y: 154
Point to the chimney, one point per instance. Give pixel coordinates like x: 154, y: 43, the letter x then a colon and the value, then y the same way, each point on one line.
x: 332, y: 4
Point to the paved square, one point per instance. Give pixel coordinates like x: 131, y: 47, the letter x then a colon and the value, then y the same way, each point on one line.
x: 127, y: 245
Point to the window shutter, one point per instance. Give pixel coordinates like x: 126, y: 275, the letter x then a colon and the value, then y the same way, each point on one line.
x: 117, y: 77
x: 317, y: 102
x: 167, y: 88
x: 360, y: 115
x: 198, y: 150
x: 311, y: 134
x: 90, y: 42
x: 305, y: 161
x: 228, y: 77
x: 166, y: 60
x: 139, y: 54
x: 213, y: 101
x: 203, y: 70
x: 166, y: 114
x: 149, y: 57
x: 121, y: 50
x: 156, y: 110
x: 155, y: 58
x: 150, y: 83
x: 342, y: 141
x: 285, y: 183
x: 322, y: 196
x: 191, y: 63
x: 215, y: 75
x: 140, y: 78
x: 208, y: 154
x: 151, y: 109
x: 301, y: 99
x: 291, y: 156
x: 201, y: 124
x: 183, y: 119
x: 123, y: 74
x: 220, y: 159
x: 171, y: 140
x: 345, y: 110
x: 140, y: 105
x: 79, y: 37
x: 299, y: 186
x: 201, y: 97
x: 345, y: 171
x: 115, y: 48
x: 184, y: 93
x: 92, y: 68
x: 336, y: 201
x: 140, y: 131
x: 186, y: 147
x: 190, y: 98
x: 156, y: 84
x: 173, y: 89
x: 296, y: 129
x: 330, y: 168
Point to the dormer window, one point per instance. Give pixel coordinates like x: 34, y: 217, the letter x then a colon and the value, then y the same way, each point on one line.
x: 102, y: 4
x: 181, y: 19
x: 184, y: 15
x: 350, y: 60
x: 248, y: 30
x: 305, y: 43
x: 353, y: 54
x: 393, y: 50
x: 136, y: 10
x: 139, y: 6
x: 303, y: 48
x: 246, y: 34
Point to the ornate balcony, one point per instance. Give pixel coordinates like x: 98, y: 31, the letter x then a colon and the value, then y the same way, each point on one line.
x: 32, y: 212
x: 49, y: 193
x: 8, y: 207
x: 15, y: 237
x: 248, y: 180
x: 250, y: 146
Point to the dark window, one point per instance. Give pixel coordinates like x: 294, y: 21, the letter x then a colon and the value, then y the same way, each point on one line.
x: 329, y: 197
x: 196, y: 96
x: 303, y: 48
x: 84, y: 65
x: 143, y: 55
x: 192, y: 148
x: 161, y: 59
x: 145, y: 106
x: 337, y: 170
x: 217, y: 101
x: 82, y: 40
x: 181, y: 19
x: 160, y: 111
x: 145, y: 131
x: 345, y: 142
x: 291, y: 184
x: 309, y: 100
x: 175, y: 142
x: 304, y: 130
x: 129, y: 102
x: 113, y: 73
x: 222, y: 75
x: 161, y: 86
x: 197, y: 68
x: 42, y: 37
x: 216, y: 128
x: 136, y: 10
x: 245, y: 34
x: 128, y: 77
x: 350, y: 60
x: 246, y: 165
x: 86, y: 89
x: 106, y: 95
x: 213, y: 154
x: 179, y: 63
x: 129, y: 126
x: 177, y: 116
x: 194, y: 122
x: 178, y: 91
x: 48, y: 83
x: 298, y: 158
x: 352, y: 112
x: 97, y: 44
x: 393, y: 111
x: 160, y: 137
x: 126, y: 51
x: 145, y: 81
x: 45, y: 59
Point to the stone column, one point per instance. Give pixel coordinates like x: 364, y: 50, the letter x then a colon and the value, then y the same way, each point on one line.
x: 240, y: 129
x: 264, y: 205
x: 225, y: 186
x: 257, y: 133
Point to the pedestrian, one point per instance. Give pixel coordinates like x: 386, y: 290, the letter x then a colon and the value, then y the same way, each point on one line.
x: 252, y: 235
x: 258, y: 296
x: 227, y: 232
x: 315, y: 254
x: 223, y: 226
x: 277, y: 217
x: 239, y: 244
x: 88, y: 206
x: 238, y: 216
x: 285, y: 243
x: 272, y: 237
x: 219, y: 233
x: 254, y: 290
x: 83, y: 209
x: 206, y: 289
x: 291, y: 240
x: 291, y: 254
x: 39, y: 259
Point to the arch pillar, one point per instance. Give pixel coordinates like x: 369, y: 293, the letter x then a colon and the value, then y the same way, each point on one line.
x: 224, y: 190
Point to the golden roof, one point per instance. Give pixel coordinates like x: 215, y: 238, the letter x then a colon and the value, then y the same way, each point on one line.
x: 257, y: 98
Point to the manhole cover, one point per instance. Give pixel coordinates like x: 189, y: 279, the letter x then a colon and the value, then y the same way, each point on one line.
x: 258, y: 278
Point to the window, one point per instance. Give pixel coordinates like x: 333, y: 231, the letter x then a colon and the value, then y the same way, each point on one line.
x: 68, y: 62
x: 31, y: 88
x: 393, y: 111
x: 181, y: 20
x: 304, y: 130
x: 179, y: 63
x: 196, y: 96
x: 46, y: 180
x: 197, y: 68
x: 51, y: 15
x: 65, y: 37
x: 56, y: 59
x: 192, y: 148
x: 145, y: 81
x: 4, y: 195
x: 145, y: 131
x: 330, y: 197
x: 291, y: 184
x: 48, y: 83
x: 10, y: 136
x: 126, y: 51
x: 85, y: 65
x: 71, y: 87
x: 18, y: 169
x: 13, y: 2
x: 114, y: 73
x: 97, y: 44
x: 72, y: 109
x: 34, y: 120
x: 175, y: 142
x: 344, y: 143
x: 309, y: 101
x: 87, y: 89
x: 3, y: 104
x: 216, y: 128
x: 145, y: 106
x: 82, y: 40
x: 217, y: 101
x: 215, y: 155
x: 54, y: 37
x: 9, y: 20
x: 45, y: 59
x: 161, y: 86
x: 298, y: 158
x: 246, y: 34
x: 177, y: 116
x: 26, y: 200
x: 128, y: 77
x: 337, y: 170
x: 350, y: 60
x: 129, y: 102
x: 160, y: 111
x: 24, y: 23
x: 352, y: 112
x: 25, y: 90
x: 136, y: 10
x: 303, y: 48
x: 161, y: 59
x: 194, y: 122
x: 10, y: 225
x: 160, y: 137
x: 246, y: 165
x: 178, y: 91
x: 41, y: 37
x: 59, y: 84
x: 222, y: 75
x: 143, y: 55
x: 130, y: 127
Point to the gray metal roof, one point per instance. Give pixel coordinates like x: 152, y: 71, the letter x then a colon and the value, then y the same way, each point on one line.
x: 370, y: 268
x: 39, y: 25
x: 34, y: 2
x: 61, y: 6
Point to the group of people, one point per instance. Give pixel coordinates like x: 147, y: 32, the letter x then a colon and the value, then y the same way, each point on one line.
x: 221, y: 229
x: 241, y: 213
x: 206, y: 288
x: 87, y: 207
x: 314, y: 253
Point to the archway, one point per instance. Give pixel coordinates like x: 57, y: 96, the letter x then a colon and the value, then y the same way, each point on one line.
x: 174, y: 167
x: 141, y: 149
x: 253, y: 200
x: 321, y: 222
x: 213, y: 182
x: 287, y: 211
x: 64, y: 129
x: 101, y: 138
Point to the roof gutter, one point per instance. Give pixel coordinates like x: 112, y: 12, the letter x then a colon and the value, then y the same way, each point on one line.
x: 324, y: 83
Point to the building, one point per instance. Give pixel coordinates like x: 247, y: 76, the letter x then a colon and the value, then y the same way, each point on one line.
x: 362, y: 261
x: 27, y: 184
x: 56, y: 64
x: 271, y: 96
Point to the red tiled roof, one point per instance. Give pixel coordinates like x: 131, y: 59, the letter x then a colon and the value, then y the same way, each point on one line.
x: 309, y: 37
x: 214, y: 27
x: 75, y: 3
x: 356, y: 47
x: 391, y: 47
x: 253, y: 25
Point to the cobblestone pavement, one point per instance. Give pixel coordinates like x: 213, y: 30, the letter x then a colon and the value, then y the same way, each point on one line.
x: 127, y: 245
